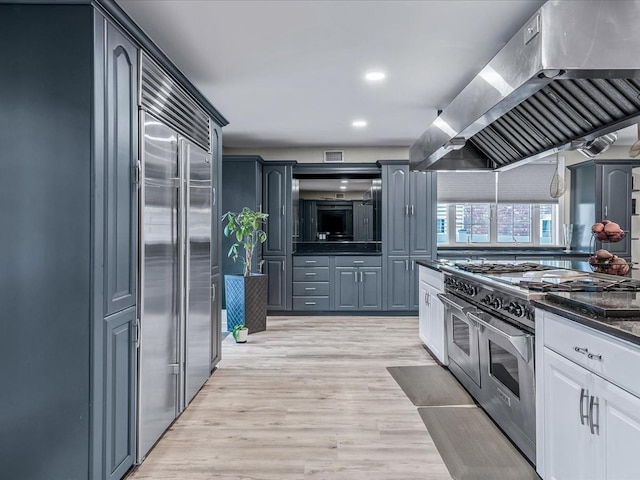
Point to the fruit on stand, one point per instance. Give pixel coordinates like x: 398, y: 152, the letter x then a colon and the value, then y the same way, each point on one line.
x: 605, y: 262
x: 607, y: 231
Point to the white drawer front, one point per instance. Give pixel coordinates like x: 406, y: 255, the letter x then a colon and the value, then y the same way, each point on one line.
x: 611, y: 358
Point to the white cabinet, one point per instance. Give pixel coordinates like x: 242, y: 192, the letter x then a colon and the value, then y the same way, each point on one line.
x: 588, y: 427
x: 431, y: 313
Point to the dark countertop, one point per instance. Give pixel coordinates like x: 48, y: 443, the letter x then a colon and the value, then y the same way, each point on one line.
x: 627, y: 328
x: 432, y: 264
x: 337, y: 254
x: 326, y: 247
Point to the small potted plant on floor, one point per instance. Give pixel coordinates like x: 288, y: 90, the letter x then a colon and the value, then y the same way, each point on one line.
x: 246, y: 294
x: 240, y: 333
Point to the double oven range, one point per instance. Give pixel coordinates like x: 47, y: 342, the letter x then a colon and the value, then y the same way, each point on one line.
x: 490, y: 328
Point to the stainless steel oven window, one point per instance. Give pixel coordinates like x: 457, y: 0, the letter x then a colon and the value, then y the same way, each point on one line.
x: 461, y: 334
x: 503, y: 366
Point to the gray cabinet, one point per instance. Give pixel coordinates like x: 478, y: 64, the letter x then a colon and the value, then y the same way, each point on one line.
x: 277, y: 250
x: 121, y: 147
x: 408, y: 225
x: 120, y: 385
x: 279, y: 281
x: 69, y: 244
x: 358, y: 283
x: 242, y: 187
x: 601, y: 190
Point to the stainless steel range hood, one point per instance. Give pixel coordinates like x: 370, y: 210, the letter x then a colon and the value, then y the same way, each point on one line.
x: 569, y: 76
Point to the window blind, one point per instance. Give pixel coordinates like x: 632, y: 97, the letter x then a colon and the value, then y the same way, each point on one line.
x: 524, y: 184
x: 527, y: 184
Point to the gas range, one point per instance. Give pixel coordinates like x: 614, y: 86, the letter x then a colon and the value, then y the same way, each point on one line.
x: 506, y: 289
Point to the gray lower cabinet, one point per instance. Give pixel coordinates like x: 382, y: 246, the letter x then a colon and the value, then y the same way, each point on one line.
x: 399, y: 276
x: 279, y: 281
x: 311, y: 283
x: 358, y: 282
x: 120, y: 385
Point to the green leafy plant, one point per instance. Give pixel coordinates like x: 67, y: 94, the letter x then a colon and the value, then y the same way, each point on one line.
x: 236, y: 331
x: 246, y: 226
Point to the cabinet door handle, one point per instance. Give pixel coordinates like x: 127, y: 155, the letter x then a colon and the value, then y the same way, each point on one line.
x: 584, y: 394
x: 594, y: 419
x: 606, y: 209
x: 406, y: 264
x: 355, y: 276
x: 413, y: 266
x: 406, y: 210
x: 283, y: 266
x: 426, y: 302
x: 360, y: 277
x: 412, y: 210
x: 213, y: 196
x: 283, y: 210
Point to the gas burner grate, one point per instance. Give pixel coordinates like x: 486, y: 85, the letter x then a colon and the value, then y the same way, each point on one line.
x: 587, y: 285
x: 495, y: 268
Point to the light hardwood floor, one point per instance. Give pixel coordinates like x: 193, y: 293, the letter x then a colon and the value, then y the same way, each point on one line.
x: 310, y: 398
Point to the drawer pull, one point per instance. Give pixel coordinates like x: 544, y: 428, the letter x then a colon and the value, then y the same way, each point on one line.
x: 310, y: 274
x: 309, y: 303
x: 358, y: 261
x: 310, y: 261
x: 583, y: 351
x: 309, y: 288
x: 594, y: 356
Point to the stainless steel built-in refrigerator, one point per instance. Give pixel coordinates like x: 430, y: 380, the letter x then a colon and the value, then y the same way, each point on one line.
x: 175, y: 277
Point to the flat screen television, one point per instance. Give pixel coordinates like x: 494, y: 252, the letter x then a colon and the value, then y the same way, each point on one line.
x: 337, y: 223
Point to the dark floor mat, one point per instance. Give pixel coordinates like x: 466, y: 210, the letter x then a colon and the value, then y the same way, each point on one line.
x: 472, y: 447
x: 430, y: 386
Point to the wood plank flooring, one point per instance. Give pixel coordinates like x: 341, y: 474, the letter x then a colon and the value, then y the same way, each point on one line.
x: 310, y: 398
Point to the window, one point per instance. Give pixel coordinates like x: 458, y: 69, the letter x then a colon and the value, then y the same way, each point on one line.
x: 497, y: 224
x: 473, y: 222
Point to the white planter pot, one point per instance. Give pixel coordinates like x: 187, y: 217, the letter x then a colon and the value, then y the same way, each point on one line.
x: 242, y: 335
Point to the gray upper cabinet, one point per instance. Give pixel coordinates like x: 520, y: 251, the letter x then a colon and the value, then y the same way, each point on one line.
x: 277, y: 203
x: 395, y: 199
x: 121, y: 148
x: 601, y: 190
x: 421, y: 213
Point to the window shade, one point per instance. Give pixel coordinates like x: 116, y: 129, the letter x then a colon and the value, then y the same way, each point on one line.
x: 523, y: 184
x: 464, y: 187
x: 527, y: 184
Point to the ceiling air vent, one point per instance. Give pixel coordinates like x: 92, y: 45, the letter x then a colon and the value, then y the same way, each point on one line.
x: 333, y: 156
x: 339, y: 195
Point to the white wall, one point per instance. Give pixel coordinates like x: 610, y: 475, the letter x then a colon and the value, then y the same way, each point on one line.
x: 316, y: 154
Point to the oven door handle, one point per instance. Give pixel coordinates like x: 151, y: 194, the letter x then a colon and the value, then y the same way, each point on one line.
x: 464, y: 310
x: 520, y: 342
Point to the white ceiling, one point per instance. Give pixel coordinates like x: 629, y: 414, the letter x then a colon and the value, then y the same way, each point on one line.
x: 291, y: 73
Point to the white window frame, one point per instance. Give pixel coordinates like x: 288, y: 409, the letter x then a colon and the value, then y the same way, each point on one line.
x: 493, y: 227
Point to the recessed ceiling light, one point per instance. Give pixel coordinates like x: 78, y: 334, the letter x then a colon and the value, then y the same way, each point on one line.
x: 359, y: 123
x: 344, y: 181
x: 342, y: 187
x: 374, y: 76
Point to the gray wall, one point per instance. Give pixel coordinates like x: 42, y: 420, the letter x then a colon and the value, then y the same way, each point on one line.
x: 45, y: 160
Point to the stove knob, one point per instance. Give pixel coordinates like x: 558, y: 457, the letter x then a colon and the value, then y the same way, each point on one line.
x: 496, y: 303
x: 518, y: 311
x: 486, y: 300
x: 473, y: 291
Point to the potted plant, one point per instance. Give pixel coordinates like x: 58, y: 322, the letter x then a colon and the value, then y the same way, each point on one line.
x: 246, y: 294
x: 240, y: 333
